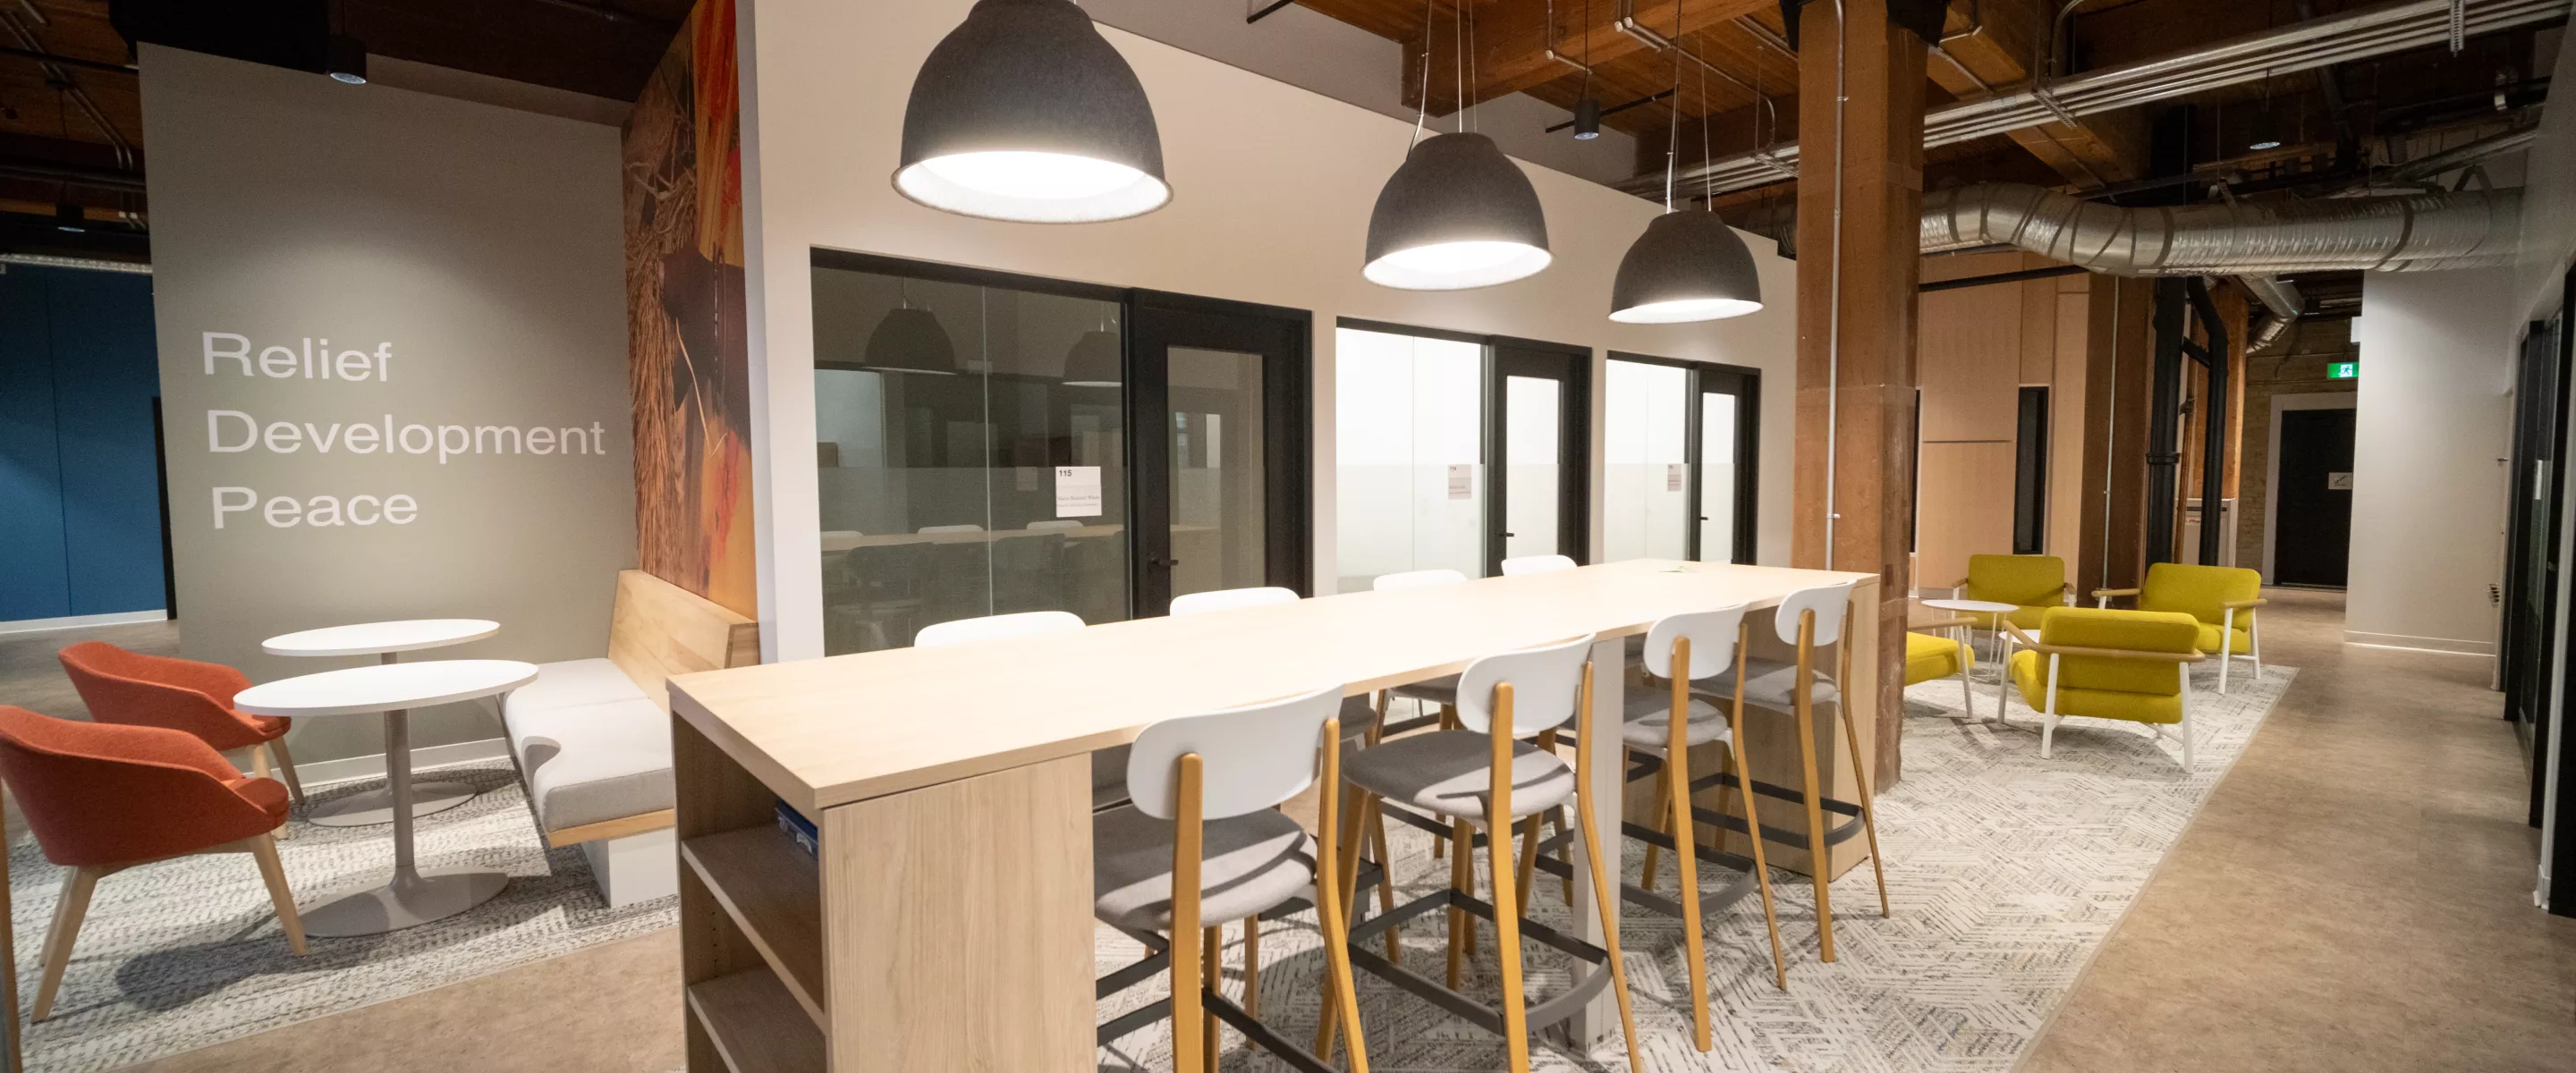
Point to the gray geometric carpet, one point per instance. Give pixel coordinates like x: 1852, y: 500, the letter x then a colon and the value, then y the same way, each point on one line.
x: 188, y: 953
x: 2005, y: 872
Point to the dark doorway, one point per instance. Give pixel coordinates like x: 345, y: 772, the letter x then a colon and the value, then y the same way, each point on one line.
x: 1221, y: 490
x: 2312, y: 501
x: 1538, y: 428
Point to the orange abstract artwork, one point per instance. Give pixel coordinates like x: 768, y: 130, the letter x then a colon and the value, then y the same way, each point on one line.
x: 689, y: 353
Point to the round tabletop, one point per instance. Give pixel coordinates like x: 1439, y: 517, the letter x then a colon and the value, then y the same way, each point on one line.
x: 376, y: 638
x: 1982, y: 607
x: 385, y: 687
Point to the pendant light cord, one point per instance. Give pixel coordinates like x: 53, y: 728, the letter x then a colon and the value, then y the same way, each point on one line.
x: 1422, y: 103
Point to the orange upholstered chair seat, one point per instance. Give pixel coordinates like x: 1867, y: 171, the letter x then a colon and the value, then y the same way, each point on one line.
x: 162, y: 691
x: 96, y: 793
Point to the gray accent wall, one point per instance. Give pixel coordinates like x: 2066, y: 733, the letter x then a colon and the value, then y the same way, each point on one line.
x: 461, y: 446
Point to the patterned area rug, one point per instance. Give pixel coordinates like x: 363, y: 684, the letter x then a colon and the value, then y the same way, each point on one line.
x: 2005, y: 872
x: 187, y: 953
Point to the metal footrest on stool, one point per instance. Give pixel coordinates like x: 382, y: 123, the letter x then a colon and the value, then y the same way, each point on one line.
x: 1834, y: 835
x: 1552, y: 1011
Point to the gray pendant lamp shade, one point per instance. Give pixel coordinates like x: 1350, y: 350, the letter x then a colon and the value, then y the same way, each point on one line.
x: 1094, y: 361
x: 910, y: 340
x: 1025, y: 113
x: 1687, y: 266
x: 1458, y: 214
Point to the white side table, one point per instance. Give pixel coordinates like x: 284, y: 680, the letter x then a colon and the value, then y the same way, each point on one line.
x: 1978, y: 607
x: 387, y: 640
x: 411, y: 896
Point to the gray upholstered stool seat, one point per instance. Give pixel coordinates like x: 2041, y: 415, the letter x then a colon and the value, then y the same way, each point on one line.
x: 1771, y: 684
x: 1449, y: 772
x: 1650, y: 720
x: 1248, y: 864
x: 1442, y: 690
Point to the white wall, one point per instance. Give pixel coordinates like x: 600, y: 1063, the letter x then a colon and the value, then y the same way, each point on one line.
x: 2432, y: 422
x: 1272, y: 190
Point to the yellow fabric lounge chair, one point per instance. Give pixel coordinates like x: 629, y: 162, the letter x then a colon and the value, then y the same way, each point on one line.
x: 1929, y: 657
x: 2132, y: 665
x: 2032, y: 583
x: 2223, y: 598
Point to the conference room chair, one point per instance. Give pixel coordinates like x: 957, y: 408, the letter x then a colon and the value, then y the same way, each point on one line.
x: 1809, y: 620
x: 2127, y: 665
x: 2031, y: 583
x: 1441, y: 692
x: 2223, y: 598
x: 102, y: 798
x: 1200, y: 603
x: 1202, y: 840
x: 1537, y: 564
x: 1489, y: 774
x: 179, y: 694
x: 1931, y: 657
x: 1667, y: 725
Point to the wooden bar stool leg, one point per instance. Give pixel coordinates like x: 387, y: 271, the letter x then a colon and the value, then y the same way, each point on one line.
x: 1189, y: 1022
x: 1385, y: 877
x: 1663, y: 819
x: 1819, y: 855
x: 1529, y: 862
x: 1252, y: 965
x: 1868, y: 810
x: 1211, y: 973
x: 1726, y: 765
x: 1341, y: 995
x: 1344, y: 879
x: 1462, y: 878
x: 1761, y: 867
x: 1601, y: 888
x: 1498, y: 854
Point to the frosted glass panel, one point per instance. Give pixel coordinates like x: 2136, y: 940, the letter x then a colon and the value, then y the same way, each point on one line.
x: 1216, y: 470
x: 1646, y: 495
x: 1717, y: 478
x: 1410, y: 482
x: 1534, y: 441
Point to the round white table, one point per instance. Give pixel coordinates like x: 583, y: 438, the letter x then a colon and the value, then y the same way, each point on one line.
x: 412, y: 895
x: 387, y: 640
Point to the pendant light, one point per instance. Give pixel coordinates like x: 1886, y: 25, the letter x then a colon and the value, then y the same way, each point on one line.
x: 1587, y: 108
x: 911, y: 340
x: 1458, y: 214
x: 1024, y: 112
x: 1688, y: 266
x: 1096, y: 359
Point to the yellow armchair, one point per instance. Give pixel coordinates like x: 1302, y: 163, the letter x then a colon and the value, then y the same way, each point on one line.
x: 2031, y: 583
x: 1929, y: 657
x: 2221, y: 598
x: 2128, y: 665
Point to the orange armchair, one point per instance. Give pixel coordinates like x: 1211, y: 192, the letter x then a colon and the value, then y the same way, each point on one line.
x: 103, y: 798
x: 180, y: 694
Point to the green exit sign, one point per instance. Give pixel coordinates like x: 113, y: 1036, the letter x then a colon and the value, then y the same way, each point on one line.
x: 2342, y: 370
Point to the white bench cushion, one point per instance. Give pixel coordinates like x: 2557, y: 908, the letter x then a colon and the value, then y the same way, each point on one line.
x: 572, y: 682
x: 592, y: 763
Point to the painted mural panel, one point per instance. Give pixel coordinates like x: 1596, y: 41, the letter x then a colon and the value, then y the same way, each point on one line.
x: 686, y: 313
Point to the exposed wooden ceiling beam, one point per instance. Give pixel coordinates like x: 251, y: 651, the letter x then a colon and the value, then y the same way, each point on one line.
x: 1516, y: 48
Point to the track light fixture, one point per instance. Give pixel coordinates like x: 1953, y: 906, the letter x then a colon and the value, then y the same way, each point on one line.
x: 1024, y: 112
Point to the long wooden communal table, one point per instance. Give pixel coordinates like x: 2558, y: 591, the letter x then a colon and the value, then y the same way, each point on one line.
x: 947, y: 925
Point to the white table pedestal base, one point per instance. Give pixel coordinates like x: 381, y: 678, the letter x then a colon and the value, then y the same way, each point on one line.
x: 412, y: 897
x: 377, y: 806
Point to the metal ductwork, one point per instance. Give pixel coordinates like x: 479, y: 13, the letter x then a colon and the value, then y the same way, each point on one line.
x: 2282, y: 304
x: 2406, y: 233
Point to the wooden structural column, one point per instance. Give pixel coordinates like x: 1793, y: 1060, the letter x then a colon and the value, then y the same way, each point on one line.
x: 1856, y: 361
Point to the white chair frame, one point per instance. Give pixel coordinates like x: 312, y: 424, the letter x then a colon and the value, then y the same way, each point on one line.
x: 1200, y: 603
x: 2049, y: 719
x: 1537, y: 564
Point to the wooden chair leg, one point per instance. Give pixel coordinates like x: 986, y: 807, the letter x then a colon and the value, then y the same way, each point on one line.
x: 1462, y: 878
x: 1448, y: 721
x: 1868, y: 810
x: 1819, y: 855
x: 1211, y: 972
x: 1385, y: 877
x: 1726, y: 765
x: 286, y: 770
x: 1663, y: 814
x: 1761, y: 867
x: 1601, y: 897
x: 1564, y: 852
x: 17, y: 1058
x: 260, y: 768
x: 273, y: 873
x: 1347, y: 848
x: 1686, y: 876
x: 1252, y: 965
x: 68, y: 913
x: 1529, y: 861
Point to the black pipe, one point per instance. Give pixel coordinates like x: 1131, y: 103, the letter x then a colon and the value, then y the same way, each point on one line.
x: 67, y: 61
x: 2003, y: 277
x: 2164, y: 418
x: 2213, y: 440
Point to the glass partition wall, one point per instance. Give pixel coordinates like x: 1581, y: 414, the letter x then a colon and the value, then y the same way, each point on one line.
x: 1680, y: 468
x: 974, y: 454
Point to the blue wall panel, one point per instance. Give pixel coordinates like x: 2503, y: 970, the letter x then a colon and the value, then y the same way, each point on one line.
x: 106, y: 372
x: 34, y: 574
x: 80, y: 508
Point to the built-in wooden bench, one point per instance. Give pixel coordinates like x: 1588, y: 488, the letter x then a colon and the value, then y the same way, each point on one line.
x: 592, y: 737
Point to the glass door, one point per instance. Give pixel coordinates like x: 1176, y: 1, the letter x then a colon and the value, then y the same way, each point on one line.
x: 1221, y: 492
x: 1723, y: 439
x: 1538, y: 446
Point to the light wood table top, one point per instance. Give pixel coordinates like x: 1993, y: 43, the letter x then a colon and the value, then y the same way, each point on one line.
x: 832, y: 731
x: 378, y: 638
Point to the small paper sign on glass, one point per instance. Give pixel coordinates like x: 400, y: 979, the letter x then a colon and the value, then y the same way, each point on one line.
x: 1077, y: 491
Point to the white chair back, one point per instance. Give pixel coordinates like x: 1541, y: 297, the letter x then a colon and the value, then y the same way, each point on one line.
x: 1712, y: 641
x: 1200, y: 603
x: 1249, y: 758
x: 1415, y: 579
x: 1545, y: 682
x: 928, y: 530
x: 1536, y: 564
x: 1055, y: 523
x: 995, y: 627
x: 1829, y: 602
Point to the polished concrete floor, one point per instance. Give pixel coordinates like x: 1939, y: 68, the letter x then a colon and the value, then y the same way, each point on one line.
x: 2356, y: 897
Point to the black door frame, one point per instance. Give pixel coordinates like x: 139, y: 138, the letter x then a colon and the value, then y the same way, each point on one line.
x: 1156, y: 322
x: 1571, y: 368
x: 1287, y: 409
x: 1745, y: 384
